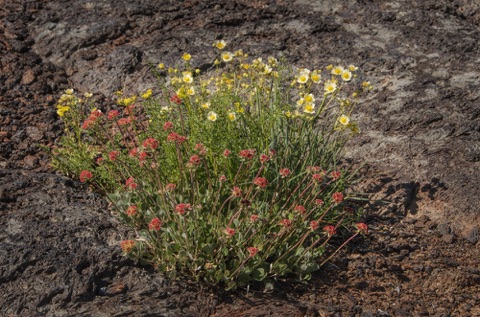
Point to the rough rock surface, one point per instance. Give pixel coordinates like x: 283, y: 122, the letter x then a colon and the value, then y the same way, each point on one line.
x: 59, y: 250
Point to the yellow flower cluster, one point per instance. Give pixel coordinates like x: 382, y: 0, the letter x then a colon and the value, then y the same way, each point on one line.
x: 66, y: 101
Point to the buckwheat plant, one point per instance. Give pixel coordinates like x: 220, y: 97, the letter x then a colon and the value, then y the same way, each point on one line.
x: 228, y: 177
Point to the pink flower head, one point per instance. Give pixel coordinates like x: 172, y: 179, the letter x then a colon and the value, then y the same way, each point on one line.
x: 272, y: 153
x: 335, y: 175
x: 318, y: 202
x: 222, y: 178
x: 252, y: 251
x: 330, y: 230
x: 264, y: 158
x: 127, y: 245
x: 314, y: 225
x: 317, y: 177
x: 227, y: 153
x: 287, y: 223
x: 247, y: 154
x: 142, y: 156
x: 261, y: 182
x: 130, y: 183
x: 85, y: 175
x: 87, y: 124
x: 300, y: 209
x: 99, y: 160
x: 124, y: 121
x: 112, y: 114
x: 313, y: 169
x: 337, y: 197
x: 150, y: 143
x: 182, y: 208
x: 236, y: 191
x: 112, y: 156
x: 229, y: 231
x: 167, y: 126
x: 176, y: 99
x: 362, y: 228
x: 132, y: 211
x: 253, y: 218
x: 285, y: 172
x: 170, y: 187
x: 195, y: 160
x: 133, y: 152
x: 155, y: 224
x: 129, y: 109
x: 175, y: 137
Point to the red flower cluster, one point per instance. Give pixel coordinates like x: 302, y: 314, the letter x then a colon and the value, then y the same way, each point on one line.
x: 317, y: 177
x: 337, y: 197
x: 133, y: 152
x: 261, y: 182
x: 155, y: 224
x: 330, y: 230
x: 362, y: 227
x: 112, y: 114
x: 314, y: 225
x: 175, y: 137
x: 313, y: 169
x: 318, y: 202
x: 252, y: 251
x: 130, y: 183
x: 167, y: 126
x: 85, y: 175
x: 287, y: 223
x: 222, y: 178
x: 195, y: 160
x: 112, y: 156
x: 182, y: 208
x: 150, y: 143
x: 264, y: 158
x: 125, y: 121
x: 227, y: 153
x: 236, y: 191
x: 300, y: 209
x: 247, y: 154
x: 132, y: 211
x: 92, y: 118
x: 253, y: 218
x: 127, y: 245
x: 176, y: 99
x: 285, y: 172
x: 229, y: 231
x: 335, y: 175
x: 170, y: 187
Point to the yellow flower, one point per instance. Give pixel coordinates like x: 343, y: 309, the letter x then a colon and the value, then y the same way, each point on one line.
x: 220, y: 44
x: 346, y: 75
x: 227, y: 57
x: 300, y: 102
x: 161, y: 66
x: 315, y: 77
x: 329, y: 67
x: 309, y: 108
x: 147, y: 94
x: 309, y: 98
x: 197, y: 71
x: 238, y: 53
x: 232, y: 116
x: 216, y: 62
x: 186, y: 57
x: 302, y: 78
x: 88, y: 95
x: 191, y: 91
x: 288, y: 114
x: 61, y: 110
x: 352, y: 68
x: 212, y: 116
x: 187, y: 77
x: 330, y: 87
x: 267, y: 70
x: 69, y: 91
x: 344, y: 120
x: 337, y: 70
x: 205, y: 105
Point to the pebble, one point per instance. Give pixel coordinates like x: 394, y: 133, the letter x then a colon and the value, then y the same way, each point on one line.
x: 28, y: 77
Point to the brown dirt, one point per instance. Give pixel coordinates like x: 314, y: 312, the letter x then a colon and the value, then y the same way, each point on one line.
x: 59, y: 251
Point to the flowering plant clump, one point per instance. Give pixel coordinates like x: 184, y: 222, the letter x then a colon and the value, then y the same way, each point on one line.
x: 227, y: 177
